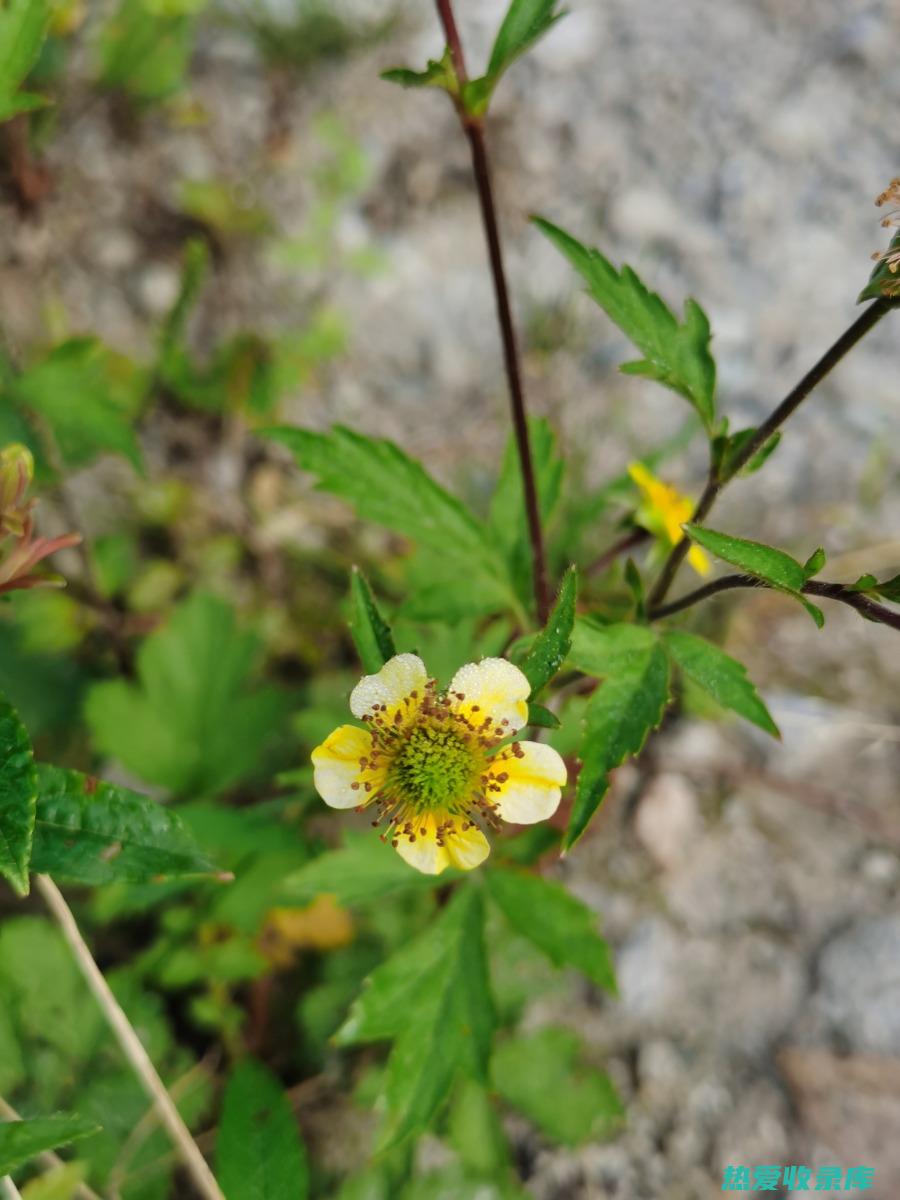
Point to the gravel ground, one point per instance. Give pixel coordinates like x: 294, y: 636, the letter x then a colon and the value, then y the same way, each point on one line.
x: 731, y: 152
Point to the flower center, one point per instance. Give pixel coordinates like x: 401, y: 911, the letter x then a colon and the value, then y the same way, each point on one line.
x: 434, y: 769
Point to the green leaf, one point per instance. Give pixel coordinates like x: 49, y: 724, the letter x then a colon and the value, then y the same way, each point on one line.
x: 889, y: 590
x: 540, y: 1076
x: 23, y: 26
x: 259, y: 1154
x: 526, y: 21
x: 433, y: 998
x: 193, y: 722
x: 526, y: 848
x: 772, y: 566
x: 21, y: 1141
x: 625, y: 707
x: 89, y: 397
x: 729, y: 449
x: 814, y: 563
x: 553, y: 642
x: 676, y: 355
x: 561, y: 927
x: 145, y: 49
x: 371, y: 633
x: 92, y: 832
x: 385, y: 485
x: 438, y: 73
x: 538, y: 715
x: 364, y: 870
x: 721, y: 676
x: 18, y: 790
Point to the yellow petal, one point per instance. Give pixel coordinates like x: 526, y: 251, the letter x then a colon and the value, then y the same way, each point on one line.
x: 423, y: 851
x: 698, y: 560
x: 463, y: 849
x: 491, y: 688
x: 391, y: 686
x: 530, y: 787
x: 337, y: 768
x: 467, y: 848
x: 641, y: 476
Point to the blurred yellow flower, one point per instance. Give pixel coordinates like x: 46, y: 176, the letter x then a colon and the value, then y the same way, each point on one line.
x: 663, y: 511
x: 436, y: 766
x: 322, y: 925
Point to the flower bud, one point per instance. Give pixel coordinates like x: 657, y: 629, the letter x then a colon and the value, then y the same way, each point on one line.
x: 16, y: 473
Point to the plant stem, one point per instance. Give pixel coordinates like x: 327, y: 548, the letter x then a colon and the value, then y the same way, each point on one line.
x: 48, y: 1160
x: 829, y: 591
x: 474, y: 131
x: 826, y: 364
x: 130, y: 1043
x: 634, y: 537
x: 9, y: 1189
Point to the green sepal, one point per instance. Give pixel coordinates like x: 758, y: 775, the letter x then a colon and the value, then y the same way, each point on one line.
x: 371, y: 633
x: 883, y: 282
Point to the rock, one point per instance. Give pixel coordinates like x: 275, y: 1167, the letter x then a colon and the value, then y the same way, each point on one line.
x: 730, y: 881
x: 851, y: 1106
x: 668, y: 820
x: 859, y: 986
x: 157, y: 288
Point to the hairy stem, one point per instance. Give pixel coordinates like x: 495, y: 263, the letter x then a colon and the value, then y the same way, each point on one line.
x: 130, y: 1043
x: 826, y: 364
x: 828, y: 591
x: 474, y: 131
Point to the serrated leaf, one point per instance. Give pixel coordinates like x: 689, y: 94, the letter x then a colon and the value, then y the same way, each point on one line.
x: 627, y: 705
x: 259, y: 1154
x: 561, y: 927
x: 433, y: 998
x: 362, y: 871
x: 21, y: 1141
x: 721, y: 676
x: 18, y: 791
x: 371, y: 633
x: 539, y: 1074
x: 388, y: 487
x: 551, y: 646
x: 23, y: 26
x: 675, y: 354
x: 772, y: 566
x: 92, y: 832
x: 193, y: 722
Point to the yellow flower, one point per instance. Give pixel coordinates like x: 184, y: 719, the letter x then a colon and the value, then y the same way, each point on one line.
x: 436, y: 766
x: 663, y: 511
x: 321, y: 925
